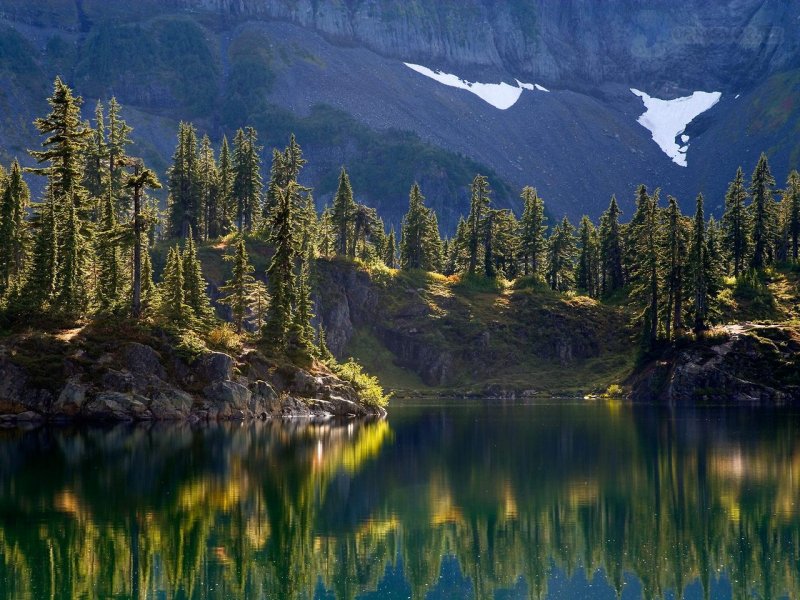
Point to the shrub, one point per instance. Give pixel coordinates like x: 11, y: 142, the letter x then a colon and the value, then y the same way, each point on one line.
x: 367, y: 386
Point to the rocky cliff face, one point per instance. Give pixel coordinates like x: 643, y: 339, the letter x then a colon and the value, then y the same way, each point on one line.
x: 752, y: 365
x: 135, y: 382
x: 568, y: 43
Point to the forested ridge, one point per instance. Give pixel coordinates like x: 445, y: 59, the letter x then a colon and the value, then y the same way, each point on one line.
x: 84, y: 250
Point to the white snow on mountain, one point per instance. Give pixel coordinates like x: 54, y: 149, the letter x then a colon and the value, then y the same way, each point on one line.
x: 500, y: 95
x: 667, y: 119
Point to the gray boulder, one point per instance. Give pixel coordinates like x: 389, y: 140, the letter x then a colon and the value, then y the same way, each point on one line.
x: 71, y: 399
x: 142, y: 360
x: 214, y: 367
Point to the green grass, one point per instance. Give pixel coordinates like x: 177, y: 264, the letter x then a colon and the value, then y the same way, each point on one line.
x: 377, y: 359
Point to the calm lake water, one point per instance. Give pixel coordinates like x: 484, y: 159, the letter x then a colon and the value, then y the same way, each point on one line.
x: 484, y: 500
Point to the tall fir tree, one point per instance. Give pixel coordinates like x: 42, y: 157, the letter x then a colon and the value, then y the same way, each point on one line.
x: 14, y: 235
x: 118, y: 141
x: 612, y: 276
x: 587, y: 272
x: 674, y: 254
x: 96, y: 176
x: 184, y: 184
x: 238, y: 289
x: 209, y: 191
x: 247, y: 182
x: 699, y: 267
x: 40, y: 286
x: 792, y: 199
x: 390, y: 251
x: 173, y: 309
x: 643, y: 244
x: 109, y: 258
x: 414, y: 233
x: 194, y: 283
x: 763, y: 213
x: 735, y: 223
x: 561, y: 257
x: 480, y: 203
x: 138, y: 183
x: 225, y: 178
x: 533, y: 228
x: 343, y: 212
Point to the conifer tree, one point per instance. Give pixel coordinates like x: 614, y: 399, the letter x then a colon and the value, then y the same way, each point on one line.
x: 343, y: 212
x: 138, y: 183
x: 184, y: 184
x: 763, y: 227
x: 209, y: 191
x: 488, y: 243
x: 96, y: 177
x: 41, y: 284
x: 792, y: 199
x: 280, y: 272
x: 172, y: 300
x: 414, y: 233
x: 14, y: 237
x: 302, y: 331
x: 225, y: 178
x: 700, y: 269
x: 194, y: 283
x: 323, y: 352
x: 533, y: 229
x: 479, y: 205
x: 561, y: 257
x: 117, y: 152
x: 390, y: 251
x: 247, y: 182
x: 148, y: 295
x: 238, y: 289
x: 258, y: 302
x: 587, y: 273
x: 611, y: 249
x: 109, y: 259
x: 506, y: 243
x: 674, y: 252
x: 643, y: 243
x: 326, y: 234
x: 735, y: 223
x: 71, y: 293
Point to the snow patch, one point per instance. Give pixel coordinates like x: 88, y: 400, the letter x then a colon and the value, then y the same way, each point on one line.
x: 667, y: 119
x: 500, y: 95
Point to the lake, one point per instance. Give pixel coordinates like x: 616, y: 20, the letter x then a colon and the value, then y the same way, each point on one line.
x: 442, y: 500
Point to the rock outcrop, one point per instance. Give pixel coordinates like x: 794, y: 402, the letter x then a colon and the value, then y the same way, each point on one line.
x: 748, y: 364
x: 138, y: 383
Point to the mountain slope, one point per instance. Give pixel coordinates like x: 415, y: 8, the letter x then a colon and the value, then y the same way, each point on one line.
x: 333, y: 72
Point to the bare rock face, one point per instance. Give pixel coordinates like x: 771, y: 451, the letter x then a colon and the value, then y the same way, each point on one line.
x: 143, y: 389
x: 756, y: 365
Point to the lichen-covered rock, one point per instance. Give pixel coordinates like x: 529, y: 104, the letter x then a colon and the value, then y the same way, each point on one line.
x: 71, y: 399
x: 214, y: 367
x: 170, y: 404
x: 142, y: 360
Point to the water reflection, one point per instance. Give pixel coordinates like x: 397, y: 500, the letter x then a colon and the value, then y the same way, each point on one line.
x: 565, y: 501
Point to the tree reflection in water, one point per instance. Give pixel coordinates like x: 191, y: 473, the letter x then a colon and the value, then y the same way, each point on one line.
x: 479, y: 501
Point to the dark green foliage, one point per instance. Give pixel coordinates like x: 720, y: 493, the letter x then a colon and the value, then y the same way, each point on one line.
x: 700, y: 267
x: 561, y: 257
x: 735, y: 223
x: 612, y: 274
x: 343, y: 212
x: 194, y: 284
x: 14, y: 235
x: 238, y: 289
x: 476, y: 228
x: 763, y: 214
x: 587, y: 273
x: 173, y: 309
x: 532, y: 233
x: 420, y: 244
x: 184, y: 184
x: 246, y: 178
x: 675, y: 243
x: 792, y: 198
x: 109, y: 259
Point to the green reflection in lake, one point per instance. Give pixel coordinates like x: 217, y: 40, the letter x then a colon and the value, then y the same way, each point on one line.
x: 449, y: 501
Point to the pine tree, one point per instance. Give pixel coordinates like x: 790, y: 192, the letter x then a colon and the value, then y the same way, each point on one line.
x: 700, y: 269
x: 117, y: 151
x: 194, y: 283
x: 173, y: 309
x: 148, y: 295
x: 110, y: 276
x: 674, y: 252
x: 41, y: 285
x: 225, y: 203
x: 792, y: 199
x: 238, y: 289
x: 280, y: 272
x: 14, y: 237
x: 414, y: 233
x: 735, y: 222
x: 532, y: 233
x: 642, y: 245
x: 323, y: 352
x: 96, y: 177
x: 479, y: 205
x: 488, y: 243
x: 506, y: 244
x: 302, y: 331
x: 71, y: 293
x: 344, y: 208
x: 611, y: 250
x: 184, y: 184
x: 326, y: 234
x: 247, y: 182
x: 763, y: 227
x: 209, y: 191
x: 561, y: 257
x: 258, y: 302
x: 390, y: 251
x: 141, y: 180
x: 587, y: 273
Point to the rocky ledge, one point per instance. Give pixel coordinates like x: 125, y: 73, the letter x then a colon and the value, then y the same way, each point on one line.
x: 138, y: 383
x: 745, y: 364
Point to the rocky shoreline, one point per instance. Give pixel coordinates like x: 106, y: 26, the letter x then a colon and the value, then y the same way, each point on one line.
x: 747, y: 364
x: 137, y: 383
